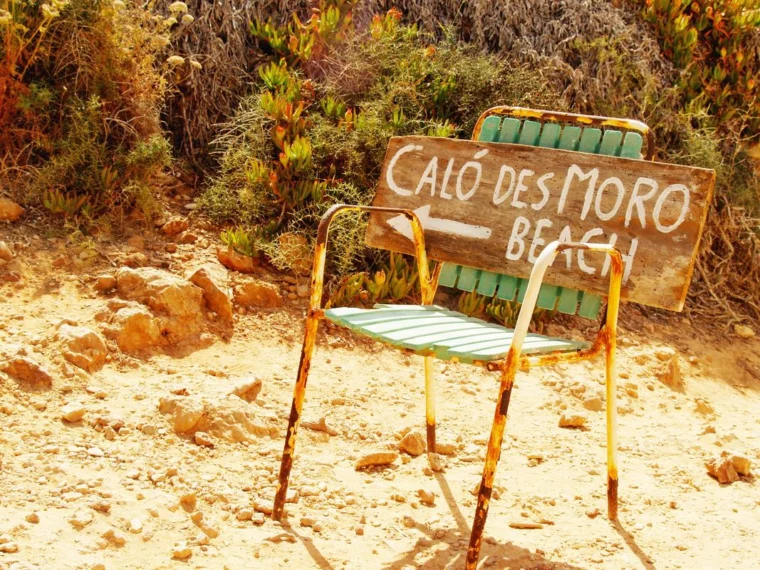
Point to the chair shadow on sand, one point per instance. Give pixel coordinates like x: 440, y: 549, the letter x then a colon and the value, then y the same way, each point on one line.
x: 493, y: 554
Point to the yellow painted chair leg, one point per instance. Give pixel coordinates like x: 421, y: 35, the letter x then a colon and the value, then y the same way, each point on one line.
x: 612, y: 465
x: 295, y: 416
x: 492, y: 458
x: 430, y: 404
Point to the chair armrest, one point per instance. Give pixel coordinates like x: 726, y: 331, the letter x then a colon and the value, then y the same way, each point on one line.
x: 320, y: 251
x: 543, y: 262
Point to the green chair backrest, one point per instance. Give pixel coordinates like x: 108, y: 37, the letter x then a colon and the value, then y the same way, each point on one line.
x: 593, y: 140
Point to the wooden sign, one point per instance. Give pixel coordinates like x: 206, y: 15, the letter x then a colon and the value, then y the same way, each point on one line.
x: 495, y: 206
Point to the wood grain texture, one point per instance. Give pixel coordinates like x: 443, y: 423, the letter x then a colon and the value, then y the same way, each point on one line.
x: 495, y: 205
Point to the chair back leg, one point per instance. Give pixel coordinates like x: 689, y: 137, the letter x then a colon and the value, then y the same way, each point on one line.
x: 312, y: 323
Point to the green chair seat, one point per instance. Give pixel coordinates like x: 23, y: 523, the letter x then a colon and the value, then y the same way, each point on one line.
x: 446, y: 334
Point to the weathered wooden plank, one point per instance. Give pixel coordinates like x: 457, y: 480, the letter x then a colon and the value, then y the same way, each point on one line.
x: 482, y: 205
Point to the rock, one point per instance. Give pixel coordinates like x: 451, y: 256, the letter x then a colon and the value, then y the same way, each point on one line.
x: 114, y: 537
x: 743, y: 331
x: 137, y: 259
x: 81, y: 519
x: 308, y: 521
x: 592, y: 513
x: 594, y: 404
x: 5, y: 252
x: 25, y: 369
x: 245, y: 514
x: 728, y: 467
x: 82, y: 347
x: 376, y: 459
x: 175, y: 226
x: 9, y: 210
x: 105, y: 283
x: 135, y: 330
x: 135, y: 526
x: 187, y: 238
x: 261, y: 506
x: 171, y: 248
x: 136, y: 242
x: 526, y: 525
x: 73, y: 412
x: 572, y: 420
x: 669, y: 373
x: 9, y: 548
x: 426, y: 497
x: 216, y: 295
x: 188, y: 501
x: 235, y: 261
x: 256, y: 293
x: 413, y: 443
x: 176, y: 303
x: 704, y: 407
x: 33, y: 518
x: 181, y: 551
x: 445, y: 448
x: 229, y: 418
x: 437, y: 463
x: 203, y: 439
x: 248, y: 390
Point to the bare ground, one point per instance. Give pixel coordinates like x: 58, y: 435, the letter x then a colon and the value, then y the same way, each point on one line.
x: 672, y: 515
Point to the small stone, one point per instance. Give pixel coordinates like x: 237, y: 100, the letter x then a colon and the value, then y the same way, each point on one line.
x: 186, y: 238
x: 9, y: 210
x: 261, y: 506
x: 426, y: 497
x: 592, y: 513
x: 445, y: 448
x: 258, y: 294
x: 33, y: 518
x: 95, y: 452
x: 73, y: 412
x: 175, y: 226
x: 359, y: 531
x: 114, y: 537
x: 81, y: 519
x: 5, y: 252
x: 526, y: 525
x: 235, y: 261
x: 594, y: 404
x: 9, y: 548
x: 181, y: 551
x: 741, y: 464
x: 743, y: 331
x: 413, y: 443
x: 188, y: 501
x: 409, y: 522
x: 203, y: 439
x: 244, y: 514
x: 376, y: 459
x: 105, y: 283
x: 704, y: 407
x: 136, y: 242
x: 308, y: 521
x: 135, y: 526
x: 437, y: 463
x: 722, y: 468
x: 171, y: 248
x: 572, y: 420
x: 670, y: 372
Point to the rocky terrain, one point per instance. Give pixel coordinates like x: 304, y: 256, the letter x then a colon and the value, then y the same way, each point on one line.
x: 144, y: 393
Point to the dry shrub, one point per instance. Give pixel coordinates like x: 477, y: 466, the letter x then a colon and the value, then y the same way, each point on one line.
x: 220, y: 40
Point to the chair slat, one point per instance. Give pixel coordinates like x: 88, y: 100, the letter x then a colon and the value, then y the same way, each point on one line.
x: 489, y: 131
x: 550, y: 135
x: 611, y: 143
x: 510, y: 129
x: 488, y: 283
x: 507, y: 287
x: 468, y: 279
x: 590, y: 140
x: 570, y: 137
x: 522, y: 285
x: 632, y: 144
x: 568, y: 301
x: 590, y: 305
x: 449, y: 274
x: 529, y: 133
x: 547, y: 296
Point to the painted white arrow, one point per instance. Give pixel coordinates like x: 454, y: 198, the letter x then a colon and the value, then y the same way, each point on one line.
x: 403, y: 226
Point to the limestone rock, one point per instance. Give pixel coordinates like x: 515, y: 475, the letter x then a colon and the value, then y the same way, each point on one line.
x: 9, y: 210
x: 572, y: 420
x: 743, y: 331
x: 426, y: 497
x: 135, y: 329
x: 413, y: 443
x: 177, y: 303
x: 704, y: 407
x: 216, y: 294
x: 175, y: 226
x: 81, y: 519
x: 5, y: 252
x: 256, y: 293
x: 105, y: 283
x: 186, y: 412
x: 729, y: 467
x: 669, y: 373
x: 82, y: 347
x: 247, y: 389
x: 235, y: 261
x: 181, y: 551
x: 594, y: 404
x: 203, y: 439
x: 376, y: 459
x: 25, y: 369
x: 73, y: 412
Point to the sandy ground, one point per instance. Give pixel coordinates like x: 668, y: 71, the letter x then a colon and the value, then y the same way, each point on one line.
x: 672, y: 513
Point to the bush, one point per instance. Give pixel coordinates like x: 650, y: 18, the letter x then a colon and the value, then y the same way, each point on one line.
x: 85, y: 83
x: 315, y: 129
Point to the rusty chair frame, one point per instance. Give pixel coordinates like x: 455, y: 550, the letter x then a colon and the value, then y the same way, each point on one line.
x: 605, y: 339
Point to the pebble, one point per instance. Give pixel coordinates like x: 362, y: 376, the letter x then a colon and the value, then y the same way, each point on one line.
x: 592, y: 513
x: 95, y: 452
x: 445, y: 448
x: 244, y: 514
x: 73, y: 412
x: 33, y: 518
x: 426, y: 497
x: 413, y: 443
x: 181, y: 551
x: 526, y: 525
x: 203, y: 439
x: 376, y: 459
x: 308, y: 521
x: 114, y: 537
x: 9, y: 547
x: 135, y: 526
x: 572, y: 420
x: 743, y: 331
x: 81, y: 519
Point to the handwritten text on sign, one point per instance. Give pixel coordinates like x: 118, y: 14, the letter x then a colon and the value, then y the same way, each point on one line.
x: 495, y: 206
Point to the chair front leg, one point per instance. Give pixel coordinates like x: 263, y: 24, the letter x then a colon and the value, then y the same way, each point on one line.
x: 430, y: 405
